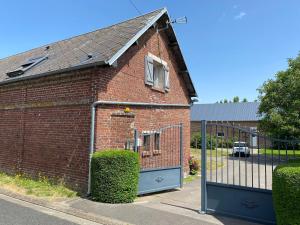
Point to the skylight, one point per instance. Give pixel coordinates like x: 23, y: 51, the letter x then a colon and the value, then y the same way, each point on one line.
x: 26, y: 66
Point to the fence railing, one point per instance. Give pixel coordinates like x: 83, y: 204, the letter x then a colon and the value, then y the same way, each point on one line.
x: 160, y: 148
x: 239, y: 156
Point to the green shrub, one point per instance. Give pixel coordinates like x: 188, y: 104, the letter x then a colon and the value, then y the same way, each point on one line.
x: 196, y: 141
x: 115, y: 176
x: 194, y: 165
x: 286, y: 193
x: 211, y: 142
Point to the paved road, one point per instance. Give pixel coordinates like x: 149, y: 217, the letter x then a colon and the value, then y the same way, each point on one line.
x: 177, y: 207
x: 15, y: 212
x: 251, y: 172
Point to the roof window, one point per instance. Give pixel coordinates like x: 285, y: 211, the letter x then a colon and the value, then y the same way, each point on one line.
x: 26, y: 66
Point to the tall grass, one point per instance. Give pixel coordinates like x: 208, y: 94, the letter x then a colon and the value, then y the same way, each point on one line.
x: 42, y: 187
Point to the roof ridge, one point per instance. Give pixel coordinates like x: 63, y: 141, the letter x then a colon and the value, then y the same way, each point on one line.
x: 79, y: 35
x: 216, y: 103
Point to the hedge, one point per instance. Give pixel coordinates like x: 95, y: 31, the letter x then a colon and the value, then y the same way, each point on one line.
x: 211, y: 142
x: 115, y: 176
x: 286, y: 193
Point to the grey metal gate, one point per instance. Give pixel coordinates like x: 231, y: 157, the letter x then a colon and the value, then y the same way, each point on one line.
x: 236, y: 174
x: 161, y: 158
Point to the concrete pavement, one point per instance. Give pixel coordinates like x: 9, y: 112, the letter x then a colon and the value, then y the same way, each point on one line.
x: 254, y: 171
x: 176, y: 207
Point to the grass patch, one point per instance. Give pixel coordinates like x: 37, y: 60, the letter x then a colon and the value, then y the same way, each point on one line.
x: 196, y: 153
x: 277, y: 152
x: 39, y: 188
x: 214, y: 165
x: 190, y: 178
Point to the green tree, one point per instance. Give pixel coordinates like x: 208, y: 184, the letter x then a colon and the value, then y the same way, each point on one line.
x: 245, y: 100
x: 280, y: 102
x: 225, y: 100
x: 236, y: 99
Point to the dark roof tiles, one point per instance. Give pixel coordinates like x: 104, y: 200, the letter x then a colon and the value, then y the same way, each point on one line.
x: 102, y: 44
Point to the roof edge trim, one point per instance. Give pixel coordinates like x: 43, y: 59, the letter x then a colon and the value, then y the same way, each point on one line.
x: 246, y: 120
x: 135, y: 38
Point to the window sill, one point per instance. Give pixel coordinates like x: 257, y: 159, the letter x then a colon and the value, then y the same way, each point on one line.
x: 156, y: 152
x: 158, y: 89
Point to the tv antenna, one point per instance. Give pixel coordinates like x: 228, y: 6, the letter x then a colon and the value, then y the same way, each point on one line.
x: 179, y: 20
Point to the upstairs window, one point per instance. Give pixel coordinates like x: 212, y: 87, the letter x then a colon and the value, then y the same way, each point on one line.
x: 156, y: 73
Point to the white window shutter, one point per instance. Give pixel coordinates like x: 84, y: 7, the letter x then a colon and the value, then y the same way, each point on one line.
x: 149, y: 78
x: 167, y: 78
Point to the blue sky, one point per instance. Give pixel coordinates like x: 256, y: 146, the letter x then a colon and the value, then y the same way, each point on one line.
x: 231, y: 47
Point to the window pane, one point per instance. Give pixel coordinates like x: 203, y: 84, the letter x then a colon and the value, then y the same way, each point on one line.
x: 158, y: 72
x: 146, y: 143
x: 220, y: 134
x: 157, y: 141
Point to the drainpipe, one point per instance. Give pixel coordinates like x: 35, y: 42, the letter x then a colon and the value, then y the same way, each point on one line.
x: 93, y: 115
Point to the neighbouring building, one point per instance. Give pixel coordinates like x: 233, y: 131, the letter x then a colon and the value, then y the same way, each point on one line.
x: 47, y: 93
x: 242, y: 114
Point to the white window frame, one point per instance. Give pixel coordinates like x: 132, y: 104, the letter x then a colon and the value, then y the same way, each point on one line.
x: 165, y: 86
x: 147, y: 146
x: 157, y: 59
x: 158, y: 75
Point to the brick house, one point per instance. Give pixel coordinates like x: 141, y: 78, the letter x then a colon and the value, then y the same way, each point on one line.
x: 46, y: 96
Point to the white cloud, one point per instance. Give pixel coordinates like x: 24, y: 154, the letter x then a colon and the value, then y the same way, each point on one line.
x: 240, y: 16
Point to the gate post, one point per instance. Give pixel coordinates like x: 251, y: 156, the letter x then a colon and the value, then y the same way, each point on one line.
x: 181, y: 156
x: 136, y: 136
x: 203, y: 168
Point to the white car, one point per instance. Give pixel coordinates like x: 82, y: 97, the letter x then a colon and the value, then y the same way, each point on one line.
x: 240, y: 148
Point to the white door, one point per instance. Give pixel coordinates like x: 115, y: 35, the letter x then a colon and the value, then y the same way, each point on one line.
x: 253, y: 139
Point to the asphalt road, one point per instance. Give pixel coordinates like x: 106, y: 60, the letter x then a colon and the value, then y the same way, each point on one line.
x: 15, y: 212
x: 250, y: 171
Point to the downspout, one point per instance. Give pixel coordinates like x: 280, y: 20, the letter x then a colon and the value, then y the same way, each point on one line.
x: 93, y: 115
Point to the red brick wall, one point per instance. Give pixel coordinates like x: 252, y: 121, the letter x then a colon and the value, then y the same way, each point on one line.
x: 146, y: 119
x: 127, y: 83
x: 44, y: 127
x: 196, y: 125
x: 121, y: 129
x: 45, y: 123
